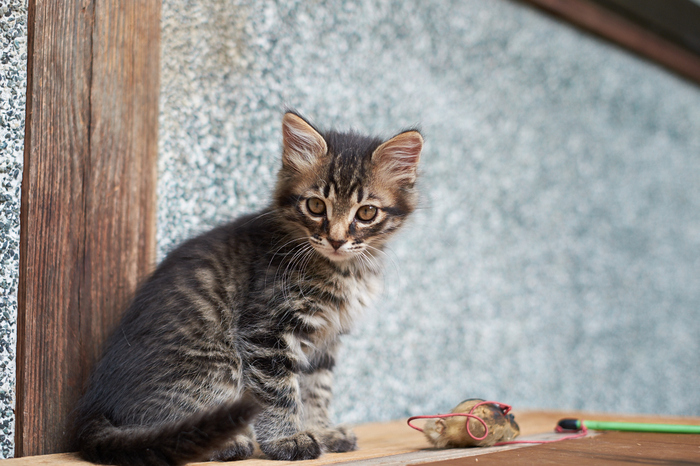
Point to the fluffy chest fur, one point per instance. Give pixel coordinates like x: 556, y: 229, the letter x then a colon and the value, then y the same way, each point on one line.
x: 317, y: 299
x: 347, y: 293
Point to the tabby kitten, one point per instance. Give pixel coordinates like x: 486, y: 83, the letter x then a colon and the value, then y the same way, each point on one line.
x: 233, y: 338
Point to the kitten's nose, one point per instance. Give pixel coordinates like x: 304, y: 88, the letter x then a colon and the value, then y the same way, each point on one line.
x: 336, y: 243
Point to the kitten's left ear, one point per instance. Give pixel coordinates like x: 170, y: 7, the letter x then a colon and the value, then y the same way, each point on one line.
x: 399, y: 156
x: 303, y: 145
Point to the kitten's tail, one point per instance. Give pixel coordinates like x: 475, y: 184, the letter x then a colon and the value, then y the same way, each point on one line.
x: 191, y: 439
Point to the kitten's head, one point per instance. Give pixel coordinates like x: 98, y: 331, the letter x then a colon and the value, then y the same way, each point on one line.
x: 344, y: 192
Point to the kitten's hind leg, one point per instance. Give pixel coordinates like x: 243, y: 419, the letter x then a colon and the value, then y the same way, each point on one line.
x: 241, y: 447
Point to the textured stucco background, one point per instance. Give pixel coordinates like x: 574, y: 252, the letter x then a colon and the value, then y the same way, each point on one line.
x: 556, y: 260
x: 13, y: 85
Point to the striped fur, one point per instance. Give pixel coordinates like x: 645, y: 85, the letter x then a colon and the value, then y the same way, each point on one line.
x: 233, y: 339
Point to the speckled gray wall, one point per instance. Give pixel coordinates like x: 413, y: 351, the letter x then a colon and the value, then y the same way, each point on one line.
x: 13, y: 84
x: 556, y: 260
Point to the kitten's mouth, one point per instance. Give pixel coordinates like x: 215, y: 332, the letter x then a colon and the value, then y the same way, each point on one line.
x: 336, y: 255
x: 341, y: 253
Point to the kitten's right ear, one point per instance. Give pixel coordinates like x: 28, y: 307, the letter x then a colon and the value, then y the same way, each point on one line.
x: 302, y: 144
x: 398, y: 157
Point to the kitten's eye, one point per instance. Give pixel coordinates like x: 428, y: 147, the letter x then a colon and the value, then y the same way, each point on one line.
x: 366, y: 213
x: 316, y: 206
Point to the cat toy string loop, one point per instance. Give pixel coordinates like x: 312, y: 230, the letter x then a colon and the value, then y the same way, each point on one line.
x: 582, y: 432
x: 502, y: 406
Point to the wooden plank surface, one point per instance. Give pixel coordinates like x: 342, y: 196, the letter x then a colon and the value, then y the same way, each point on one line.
x: 608, y: 449
x: 393, y: 443
x: 88, y: 197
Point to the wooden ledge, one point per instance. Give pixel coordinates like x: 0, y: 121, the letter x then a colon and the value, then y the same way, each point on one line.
x: 395, y: 443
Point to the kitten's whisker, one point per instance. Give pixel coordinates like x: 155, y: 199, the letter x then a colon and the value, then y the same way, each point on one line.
x: 285, y: 278
x: 367, y: 262
x: 391, y: 259
x: 361, y: 262
x: 277, y: 251
x: 312, y: 253
x: 296, y: 262
x: 275, y: 254
x: 257, y: 217
x: 303, y: 261
x: 281, y: 277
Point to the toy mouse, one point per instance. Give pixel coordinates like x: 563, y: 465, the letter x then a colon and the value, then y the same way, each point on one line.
x: 486, y: 423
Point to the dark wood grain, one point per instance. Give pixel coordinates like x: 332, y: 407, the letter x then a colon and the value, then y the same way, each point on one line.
x: 606, y: 448
x: 600, y: 19
x: 675, y: 20
x: 88, y: 197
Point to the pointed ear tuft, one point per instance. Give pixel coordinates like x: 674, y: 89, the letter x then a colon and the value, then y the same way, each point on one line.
x: 302, y: 144
x: 398, y: 157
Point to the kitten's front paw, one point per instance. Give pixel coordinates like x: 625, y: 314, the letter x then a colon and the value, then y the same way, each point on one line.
x: 338, y: 440
x: 302, y: 446
x: 241, y: 447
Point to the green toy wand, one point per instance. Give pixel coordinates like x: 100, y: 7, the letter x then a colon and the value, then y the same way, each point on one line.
x: 576, y: 424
